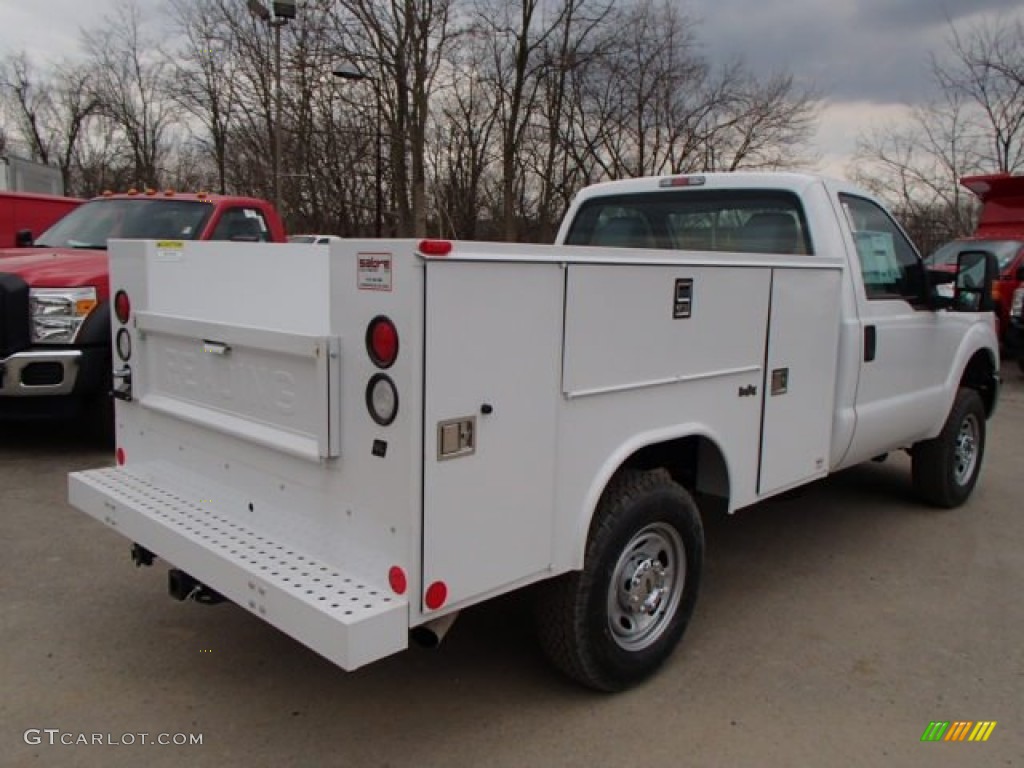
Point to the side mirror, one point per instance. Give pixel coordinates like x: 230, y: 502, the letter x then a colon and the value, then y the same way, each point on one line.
x: 975, y: 273
x: 23, y: 238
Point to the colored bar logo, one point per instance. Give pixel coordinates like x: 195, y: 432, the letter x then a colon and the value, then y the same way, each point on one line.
x: 958, y: 730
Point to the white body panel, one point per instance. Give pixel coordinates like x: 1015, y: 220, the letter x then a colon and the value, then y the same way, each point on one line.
x: 526, y: 376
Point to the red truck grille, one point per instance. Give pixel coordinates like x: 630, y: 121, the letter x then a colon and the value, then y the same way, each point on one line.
x: 14, y: 323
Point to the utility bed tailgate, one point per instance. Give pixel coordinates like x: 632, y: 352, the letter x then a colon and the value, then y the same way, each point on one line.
x: 273, y: 388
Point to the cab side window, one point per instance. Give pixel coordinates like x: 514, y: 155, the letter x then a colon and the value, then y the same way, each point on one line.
x: 241, y: 224
x: 889, y: 265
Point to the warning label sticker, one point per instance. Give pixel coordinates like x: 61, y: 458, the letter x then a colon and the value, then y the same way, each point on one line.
x: 169, y: 250
x: 374, y: 271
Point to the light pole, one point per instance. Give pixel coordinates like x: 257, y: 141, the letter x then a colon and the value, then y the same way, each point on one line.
x: 283, y: 10
x: 356, y: 75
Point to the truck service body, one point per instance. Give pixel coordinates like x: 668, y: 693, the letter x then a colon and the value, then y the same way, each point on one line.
x: 414, y: 427
x: 54, y: 296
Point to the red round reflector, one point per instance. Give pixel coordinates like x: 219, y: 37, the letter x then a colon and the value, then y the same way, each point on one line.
x: 382, y: 342
x: 397, y: 580
x: 120, y: 456
x: 122, y: 307
x: 437, y: 593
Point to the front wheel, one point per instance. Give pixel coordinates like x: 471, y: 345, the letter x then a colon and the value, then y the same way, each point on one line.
x: 946, y: 468
x: 616, y: 621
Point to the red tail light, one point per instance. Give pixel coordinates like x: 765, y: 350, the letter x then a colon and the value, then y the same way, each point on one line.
x: 122, y: 307
x: 382, y: 342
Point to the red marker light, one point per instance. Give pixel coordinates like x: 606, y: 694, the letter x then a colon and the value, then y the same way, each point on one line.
x: 397, y: 580
x: 122, y: 307
x: 437, y: 593
x: 382, y: 341
x: 682, y: 181
x: 120, y: 457
x: 435, y: 247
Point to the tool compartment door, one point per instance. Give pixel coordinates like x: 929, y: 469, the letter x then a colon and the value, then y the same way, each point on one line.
x: 493, y: 352
x: 800, y: 375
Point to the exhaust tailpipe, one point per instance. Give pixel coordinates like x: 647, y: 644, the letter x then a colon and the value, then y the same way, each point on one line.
x: 431, y: 634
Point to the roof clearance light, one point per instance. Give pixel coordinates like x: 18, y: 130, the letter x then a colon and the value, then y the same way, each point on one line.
x: 122, y: 307
x: 435, y: 247
x: 382, y: 341
x: 682, y: 181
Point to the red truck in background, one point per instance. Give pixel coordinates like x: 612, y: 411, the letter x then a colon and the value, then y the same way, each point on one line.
x: 24, y: 215
x: 55, y: 351
x: 1000, y: 230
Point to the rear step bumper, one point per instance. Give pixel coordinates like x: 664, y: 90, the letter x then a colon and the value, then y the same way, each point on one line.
x: 339, y: 616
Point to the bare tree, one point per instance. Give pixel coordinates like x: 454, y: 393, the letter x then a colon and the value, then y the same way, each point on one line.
x: 204, y: 68
x: 516, y: 33
x: 400, y: 45
x: 987, y: 70
x: 462, y: 142
x: 128, y: 78
x: 52, y: 111
x: 917, y: 167
x: 974, y: 124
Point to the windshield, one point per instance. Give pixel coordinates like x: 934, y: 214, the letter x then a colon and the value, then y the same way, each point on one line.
x: 92, y: 224
x: 1004, y: 250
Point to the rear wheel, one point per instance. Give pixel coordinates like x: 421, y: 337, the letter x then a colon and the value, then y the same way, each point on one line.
x: 946, y: 468
x: 616, y: 621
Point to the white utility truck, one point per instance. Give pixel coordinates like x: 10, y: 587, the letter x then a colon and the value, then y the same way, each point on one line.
x: 356, y: 441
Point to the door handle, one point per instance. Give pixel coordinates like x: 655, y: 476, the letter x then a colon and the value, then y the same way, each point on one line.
x: 870, y: 343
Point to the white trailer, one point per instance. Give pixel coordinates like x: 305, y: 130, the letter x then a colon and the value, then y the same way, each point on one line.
x: 359, y: 440
x: 20, y: 175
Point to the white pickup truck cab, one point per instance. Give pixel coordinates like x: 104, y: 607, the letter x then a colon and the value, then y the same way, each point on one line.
x: 356, y: 441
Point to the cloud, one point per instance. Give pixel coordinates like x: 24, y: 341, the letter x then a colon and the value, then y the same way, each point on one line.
x: 876, y: 51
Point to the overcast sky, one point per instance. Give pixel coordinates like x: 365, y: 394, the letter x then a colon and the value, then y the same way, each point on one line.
x: 868, y: 59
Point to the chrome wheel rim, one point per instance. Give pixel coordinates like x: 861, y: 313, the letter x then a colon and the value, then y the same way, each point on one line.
x: 646, y: 587
x: 965, y: 449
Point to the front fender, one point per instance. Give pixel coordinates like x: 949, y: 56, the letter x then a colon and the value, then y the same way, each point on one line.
x: 976, y: 365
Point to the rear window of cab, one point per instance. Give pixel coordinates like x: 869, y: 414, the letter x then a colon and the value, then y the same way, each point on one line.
x: 745, y: 221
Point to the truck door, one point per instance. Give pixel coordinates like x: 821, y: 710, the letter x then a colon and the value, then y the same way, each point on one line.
x: 906, y: 349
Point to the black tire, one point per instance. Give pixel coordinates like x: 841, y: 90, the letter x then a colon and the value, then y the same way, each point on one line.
x: 946, y: 468
x: 645, y: 535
